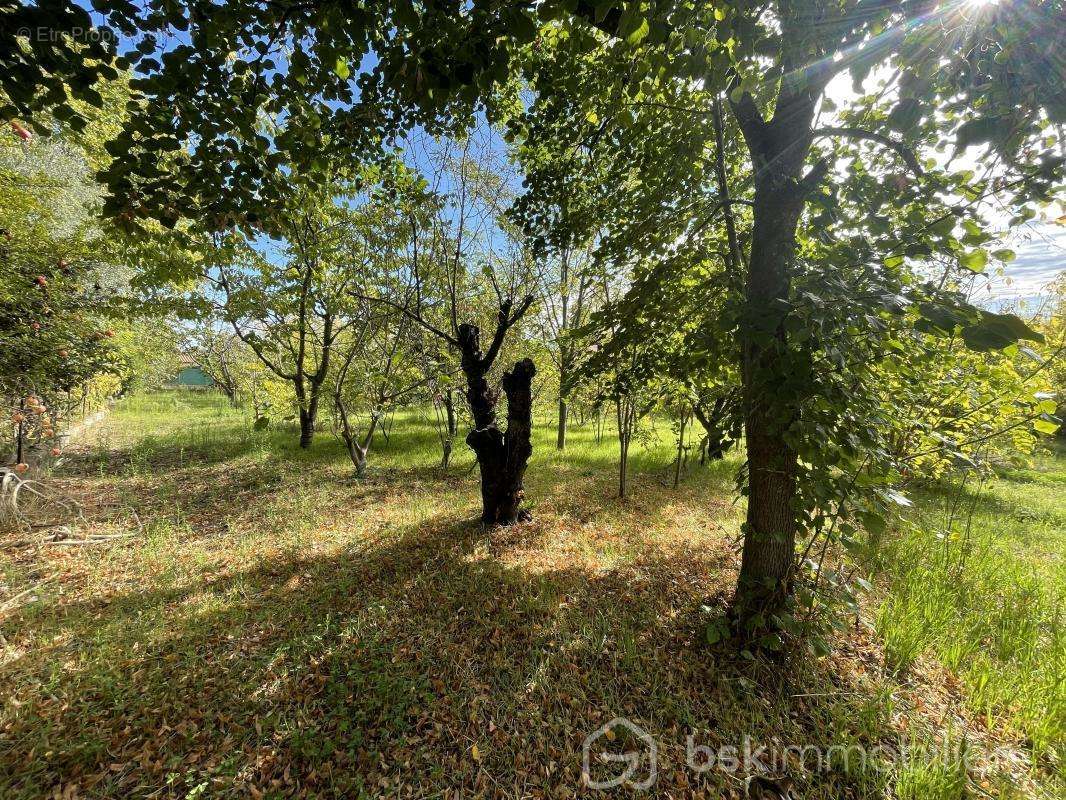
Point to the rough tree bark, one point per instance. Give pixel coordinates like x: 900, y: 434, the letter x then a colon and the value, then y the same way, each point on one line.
x: 680, y: 446
x: 450, y: 421
x: 625, y: 414
x: 502, y: 457
x: 560, y: 439
x: 778, y: 149
x: 308, y: 413
x: 357, y: 451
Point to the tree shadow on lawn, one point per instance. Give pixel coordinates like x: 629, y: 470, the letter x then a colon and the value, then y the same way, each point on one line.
x: 433, y: 658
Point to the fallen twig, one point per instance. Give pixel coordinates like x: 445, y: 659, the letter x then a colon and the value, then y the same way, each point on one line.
x: 12, y: 602
x: 89, y: 539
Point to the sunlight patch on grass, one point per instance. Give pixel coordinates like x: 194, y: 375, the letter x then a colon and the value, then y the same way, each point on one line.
x: 969, y: 594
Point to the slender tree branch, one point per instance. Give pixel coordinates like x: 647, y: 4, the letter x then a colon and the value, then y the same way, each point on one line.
x: 904, y: 152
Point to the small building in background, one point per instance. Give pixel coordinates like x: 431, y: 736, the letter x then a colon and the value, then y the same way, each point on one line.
x: 189, y: 376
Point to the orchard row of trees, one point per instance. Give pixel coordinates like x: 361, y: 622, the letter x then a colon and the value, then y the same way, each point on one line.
x: 768, y: 215
x: 66, y: 341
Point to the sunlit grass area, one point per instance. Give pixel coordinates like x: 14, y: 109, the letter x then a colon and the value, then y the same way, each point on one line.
x: 978, y: 581
x: 279, y: 628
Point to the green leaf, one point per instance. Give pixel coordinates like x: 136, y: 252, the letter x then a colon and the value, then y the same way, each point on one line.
x: 873, y: 522
x: 996, y: 331
x: 975, y: 260
x: 636, y: 36
x: 341, y: 68
x: 941, y: 316
x: 1045, y: 426
x: 975, y: 234
x: 906, y: 114
x: 977, y: 131
x: 717, y: 631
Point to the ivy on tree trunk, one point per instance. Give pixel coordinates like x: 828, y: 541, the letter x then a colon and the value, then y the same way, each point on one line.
x: 778, y: 150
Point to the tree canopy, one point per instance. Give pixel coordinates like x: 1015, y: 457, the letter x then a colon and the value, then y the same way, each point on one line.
x: 794, y: 192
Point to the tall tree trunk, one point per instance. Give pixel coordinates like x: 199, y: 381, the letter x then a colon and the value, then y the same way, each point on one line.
x: 560, y: 438
x: 503, y: 457
x: 518, y: 446
x: 625, y: 417
x: 20, y: 433
x: 308, y: 410
x: 307, y: 427
x: 450, y: 421
x: 778, y: 149
x: 680, y: 446
x: 564, y: 349
x: 770, y: 540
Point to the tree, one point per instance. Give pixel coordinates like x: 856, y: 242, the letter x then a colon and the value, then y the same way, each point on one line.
x: 566, y: 284
x: 457, y: 215
x: 51, y: 59
x: 58, y: 285
x: 217, y: 351
x: 379, y: 359
x: 985, y: 76
x: 375, y: 373
x: 642, y: 102
x: 290, y: 314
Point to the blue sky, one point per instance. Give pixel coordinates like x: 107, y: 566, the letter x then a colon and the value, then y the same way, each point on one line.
x: 1041, y: 249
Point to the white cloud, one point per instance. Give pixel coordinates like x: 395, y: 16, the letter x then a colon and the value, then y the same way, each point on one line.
x: 1041, y: 256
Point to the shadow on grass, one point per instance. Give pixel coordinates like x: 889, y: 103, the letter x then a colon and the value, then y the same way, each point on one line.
x: 426, y: 660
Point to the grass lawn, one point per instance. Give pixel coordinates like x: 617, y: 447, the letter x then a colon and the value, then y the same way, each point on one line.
x: 977, y: 579
x: 281, y: 629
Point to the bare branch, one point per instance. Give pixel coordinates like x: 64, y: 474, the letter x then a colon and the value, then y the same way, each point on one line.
x: 411, y: 315
x: 904, y: 152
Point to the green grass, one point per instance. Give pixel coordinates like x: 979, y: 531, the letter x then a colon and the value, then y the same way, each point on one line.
x: 281, y: 629
x: 930, y: 774
x: 977, y: 580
